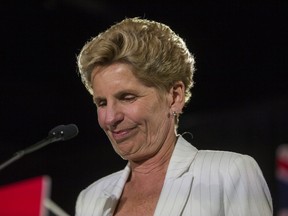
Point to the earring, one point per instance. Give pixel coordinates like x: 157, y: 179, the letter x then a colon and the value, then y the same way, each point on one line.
x: 174, y: 113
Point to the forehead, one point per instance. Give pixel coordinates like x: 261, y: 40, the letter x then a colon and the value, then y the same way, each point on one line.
x: 112, y: 77
x: 112, y: 73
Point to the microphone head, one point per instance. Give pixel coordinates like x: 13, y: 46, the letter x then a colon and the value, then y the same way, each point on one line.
x: 64, y: 132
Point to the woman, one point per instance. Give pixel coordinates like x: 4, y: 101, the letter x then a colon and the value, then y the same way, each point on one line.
x: 140, y: 73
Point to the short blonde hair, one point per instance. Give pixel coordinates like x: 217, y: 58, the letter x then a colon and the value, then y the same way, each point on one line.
x: 159, y: 57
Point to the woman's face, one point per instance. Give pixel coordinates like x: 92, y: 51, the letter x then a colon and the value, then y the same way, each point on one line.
x: 135, y: 118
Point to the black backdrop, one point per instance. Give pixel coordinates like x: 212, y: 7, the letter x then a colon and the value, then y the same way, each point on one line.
x: 239, y: 100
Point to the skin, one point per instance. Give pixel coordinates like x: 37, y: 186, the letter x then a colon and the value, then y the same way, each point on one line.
x: 136, y: 119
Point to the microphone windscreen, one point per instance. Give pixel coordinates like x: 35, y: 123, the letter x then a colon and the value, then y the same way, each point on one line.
x: 65, y: 132
x: 70, y: 131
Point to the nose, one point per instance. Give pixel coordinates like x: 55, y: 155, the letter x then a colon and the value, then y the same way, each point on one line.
x: 113, y: 115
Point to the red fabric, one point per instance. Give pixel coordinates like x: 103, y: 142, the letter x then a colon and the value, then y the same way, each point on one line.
x: 24, y: 198
x: 282, y: 164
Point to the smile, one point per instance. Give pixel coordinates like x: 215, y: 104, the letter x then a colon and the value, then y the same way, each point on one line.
x: 122, y: 135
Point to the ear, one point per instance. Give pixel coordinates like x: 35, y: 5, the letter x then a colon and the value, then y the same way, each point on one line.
x: 177, y: 93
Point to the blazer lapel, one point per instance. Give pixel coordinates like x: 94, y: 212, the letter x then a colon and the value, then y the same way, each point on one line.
x: 178, y: 181
x: 111, y: 194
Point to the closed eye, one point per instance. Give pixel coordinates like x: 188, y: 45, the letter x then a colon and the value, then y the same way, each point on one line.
x: 100, y: 102
x: 128, y: 97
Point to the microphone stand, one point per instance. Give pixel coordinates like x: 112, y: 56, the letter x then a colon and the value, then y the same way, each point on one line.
x: 30, y: 149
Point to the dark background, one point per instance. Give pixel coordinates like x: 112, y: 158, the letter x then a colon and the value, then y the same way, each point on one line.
x: 239, y: 103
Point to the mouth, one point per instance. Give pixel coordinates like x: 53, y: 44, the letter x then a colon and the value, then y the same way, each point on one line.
x: 122, y: 135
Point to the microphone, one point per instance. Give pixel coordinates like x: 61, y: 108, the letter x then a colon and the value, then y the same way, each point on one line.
x: 64, y: 132
x: 58, y: 133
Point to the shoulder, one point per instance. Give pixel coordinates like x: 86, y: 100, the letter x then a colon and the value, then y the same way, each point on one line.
x: 215, y: 160
x: 226, y: 165
x: 226, y: 156
x: 226, y: 160
x: 90, y: 200
x: 92, y: 194
x: 237, y: 172
x: 229, y: 169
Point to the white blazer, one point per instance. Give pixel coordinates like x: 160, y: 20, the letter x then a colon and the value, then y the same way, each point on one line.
x: 197, y: 183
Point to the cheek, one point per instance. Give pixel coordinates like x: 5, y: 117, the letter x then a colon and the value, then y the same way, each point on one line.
x: 146, y: 115
x: 101, y: 117
x: 138, y: 113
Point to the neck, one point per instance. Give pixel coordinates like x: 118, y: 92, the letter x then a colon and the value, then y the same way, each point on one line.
x: 158, y: 163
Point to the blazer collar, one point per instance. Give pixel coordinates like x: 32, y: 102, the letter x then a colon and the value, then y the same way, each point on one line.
x: 178, y: 181
x: 112, y: 193
x: 182, y: 157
